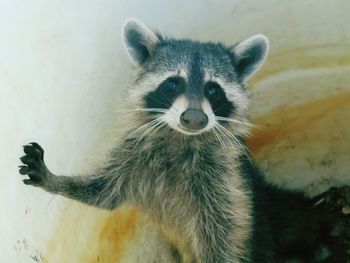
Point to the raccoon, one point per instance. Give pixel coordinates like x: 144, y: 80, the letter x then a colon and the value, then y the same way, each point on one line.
x: 183, y: 159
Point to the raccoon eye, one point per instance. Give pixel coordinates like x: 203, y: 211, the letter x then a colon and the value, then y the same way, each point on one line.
x: 214, y: 91
x: 171, y: 84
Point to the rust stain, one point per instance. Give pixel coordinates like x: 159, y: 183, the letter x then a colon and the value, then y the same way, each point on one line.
x: 310, y: 57
x: 117, y: 234
x: 89, y: 235
x: 290, y: 120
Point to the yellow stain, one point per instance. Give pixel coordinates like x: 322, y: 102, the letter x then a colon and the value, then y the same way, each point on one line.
x: 287, y: 121
x: 89, y: 235
x: 309, y: 57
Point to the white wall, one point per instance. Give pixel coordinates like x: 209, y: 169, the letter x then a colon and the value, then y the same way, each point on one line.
x: 63, y: 72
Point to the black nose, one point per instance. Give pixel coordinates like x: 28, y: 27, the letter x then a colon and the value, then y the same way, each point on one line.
x: 194, y: 119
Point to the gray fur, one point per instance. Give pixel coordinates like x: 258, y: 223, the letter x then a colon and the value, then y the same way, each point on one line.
x: 189, y: 185
x: 139, y: 40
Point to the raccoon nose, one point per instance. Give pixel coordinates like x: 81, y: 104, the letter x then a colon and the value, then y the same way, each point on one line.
x: 194, y: 119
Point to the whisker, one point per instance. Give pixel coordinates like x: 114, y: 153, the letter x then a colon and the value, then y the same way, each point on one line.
x: 219, y: 139
x: 161, y: 110
x: 175, y: 109
x: 150, y: 123
x: 153, y: 126
x: 219, y: 118
x: 130, y: 111
x: 231, y: 135
x: 243, y: 147
x: 224, y: 135
x: 151, y: 131
x: 160, y: 125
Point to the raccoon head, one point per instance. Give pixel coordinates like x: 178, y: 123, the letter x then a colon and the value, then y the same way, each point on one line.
x: 191, y: 86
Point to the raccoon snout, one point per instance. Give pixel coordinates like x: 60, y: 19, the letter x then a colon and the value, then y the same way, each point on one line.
x: 193, y: 119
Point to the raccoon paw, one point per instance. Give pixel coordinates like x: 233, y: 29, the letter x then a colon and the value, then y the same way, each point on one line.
x: 34, y: 165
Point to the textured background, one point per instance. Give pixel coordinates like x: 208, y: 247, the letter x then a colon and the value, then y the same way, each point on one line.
x: 63, y: 74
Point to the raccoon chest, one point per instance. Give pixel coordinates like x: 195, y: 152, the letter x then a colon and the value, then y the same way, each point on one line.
x: 170, y: 162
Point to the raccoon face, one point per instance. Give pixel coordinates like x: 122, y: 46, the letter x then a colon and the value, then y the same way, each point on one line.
x: 192, y: 86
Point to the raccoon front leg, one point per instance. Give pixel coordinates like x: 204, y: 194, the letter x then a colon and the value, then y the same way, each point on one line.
x: 96, y: 190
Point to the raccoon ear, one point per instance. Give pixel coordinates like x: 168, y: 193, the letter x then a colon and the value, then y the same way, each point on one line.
x: 139, y: 40
x: 250, y: 55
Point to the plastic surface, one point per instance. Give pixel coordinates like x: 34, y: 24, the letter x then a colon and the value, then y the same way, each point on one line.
x: 63, y: 73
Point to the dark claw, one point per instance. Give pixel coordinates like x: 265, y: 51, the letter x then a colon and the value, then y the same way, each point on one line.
x: 28, y: 149
x: 26, y: 181
x: 38, y: 147
x: 24, y: 169
x: 30, y: 182
x: 27, y: 159
x: 33, y: 165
